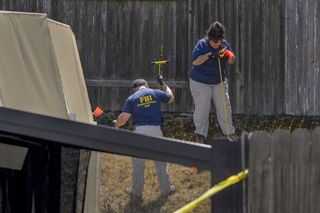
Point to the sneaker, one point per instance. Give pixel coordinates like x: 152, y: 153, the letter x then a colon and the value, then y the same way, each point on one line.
x: 200, y: 138
x: 172, y: 189
x: 233, y: 137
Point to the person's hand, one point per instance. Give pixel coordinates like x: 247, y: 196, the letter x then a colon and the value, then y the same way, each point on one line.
x: 212, y: 56
x: 209, y: 55
x: 222, y: 52
x: 115, y: 124
x: 227, y: 53
x: 160, y: 80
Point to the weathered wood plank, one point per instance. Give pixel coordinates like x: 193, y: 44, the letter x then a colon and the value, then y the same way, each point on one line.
x: 316, y: 64
x: 234, y: 74
x: 315, y: 171
x: 245, y: 54
x: 280, y: 159
x: 277, y: 66
x: 290, y: 11
x: 260, y: 177
x: 256, y: 32
x: 313, y: 56
x: 301, y: 72
x: 298, y: 183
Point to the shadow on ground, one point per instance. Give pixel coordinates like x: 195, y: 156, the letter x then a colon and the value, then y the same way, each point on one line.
x: 137, y: 207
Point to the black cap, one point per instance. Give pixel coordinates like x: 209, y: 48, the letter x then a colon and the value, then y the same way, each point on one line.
x: 139, y: 82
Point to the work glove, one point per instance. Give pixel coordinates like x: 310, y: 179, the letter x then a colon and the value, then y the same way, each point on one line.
x: 209, y: 54
x: 226, y: 53
x: 160, y: 80
x: 212, y: 56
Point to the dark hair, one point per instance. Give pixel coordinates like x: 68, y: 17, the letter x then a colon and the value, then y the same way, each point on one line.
x: 216, y: 31
x: 139, y: 82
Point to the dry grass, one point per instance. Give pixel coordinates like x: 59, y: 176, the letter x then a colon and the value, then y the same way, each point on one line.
x: 116, y: 176
x: 116, y: 170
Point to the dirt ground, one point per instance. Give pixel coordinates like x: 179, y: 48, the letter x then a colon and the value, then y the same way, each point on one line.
x: 116, y: 176
x: 116, y: 170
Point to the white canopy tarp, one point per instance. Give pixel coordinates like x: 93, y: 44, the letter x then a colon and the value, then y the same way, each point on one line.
x: 71, y: 73
x: 40, y: 72
x: 29, y: 76
x: 40, y: 68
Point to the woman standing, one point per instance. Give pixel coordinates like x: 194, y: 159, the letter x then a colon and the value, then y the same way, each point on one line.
x: 208, y: 81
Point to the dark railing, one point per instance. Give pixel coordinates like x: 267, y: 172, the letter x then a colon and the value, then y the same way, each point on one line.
x: 48, y: 134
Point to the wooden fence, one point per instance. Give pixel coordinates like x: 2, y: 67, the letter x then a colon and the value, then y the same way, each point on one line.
x: 284, y: 172
x: 277, y: 70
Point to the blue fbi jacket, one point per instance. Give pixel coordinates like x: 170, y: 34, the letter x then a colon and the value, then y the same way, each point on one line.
x: 208, y: 72
x: 144, y: 105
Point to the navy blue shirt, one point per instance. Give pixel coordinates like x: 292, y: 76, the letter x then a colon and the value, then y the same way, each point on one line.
x: 144, y: 105
x: 208, y: 72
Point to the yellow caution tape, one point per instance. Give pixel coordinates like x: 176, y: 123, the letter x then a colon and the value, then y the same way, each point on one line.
x: 214, y: 190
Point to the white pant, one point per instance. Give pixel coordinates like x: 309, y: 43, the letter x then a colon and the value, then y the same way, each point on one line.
x: 202, y: 95
x: 138, y: 166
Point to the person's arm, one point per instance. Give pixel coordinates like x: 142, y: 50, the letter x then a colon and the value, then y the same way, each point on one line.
x: 201, y: 59
x: 125, y: 115
x: 201, y: 52
x: 167, y: 89
x: 123, y: 119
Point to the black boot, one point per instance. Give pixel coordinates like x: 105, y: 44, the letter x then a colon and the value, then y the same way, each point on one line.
x: 200, y: 138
